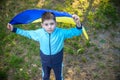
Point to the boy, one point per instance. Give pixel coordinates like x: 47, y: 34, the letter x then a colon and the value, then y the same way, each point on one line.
x: 51, y: 39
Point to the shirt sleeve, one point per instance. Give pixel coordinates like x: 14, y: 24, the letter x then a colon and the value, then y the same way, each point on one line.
x: 69, y: 33
x: 31, y: 34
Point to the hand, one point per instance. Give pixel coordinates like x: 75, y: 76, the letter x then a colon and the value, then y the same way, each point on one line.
x: 10, y: 27
x: 77, y: 20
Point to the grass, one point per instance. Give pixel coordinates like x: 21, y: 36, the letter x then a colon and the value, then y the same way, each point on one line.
x: 78, y: 69
x: 101, y: 65
x: 96, y: 49
x: 80, y: 51
x: 19, y: 75
x: 96, y: 75
x: 92, y: 56
x: 84, y: 59
x: 21, y: 55
x: 88, y: 44
x: 15, y: 61
x: 3, y: 75
x: 99, y: 56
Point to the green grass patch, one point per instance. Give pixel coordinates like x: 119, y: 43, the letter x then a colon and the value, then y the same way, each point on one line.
x: 84, y: 59
x: 96, y: 75
x: 17, y: 52
x: 101, y: 65
x: 21, y: 75
x: 3, y: 75
x: 15, y: 61
x: 81, y: 50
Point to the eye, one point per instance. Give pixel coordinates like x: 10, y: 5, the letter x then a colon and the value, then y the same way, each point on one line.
x: 51, y: 23
x: 46, y: 24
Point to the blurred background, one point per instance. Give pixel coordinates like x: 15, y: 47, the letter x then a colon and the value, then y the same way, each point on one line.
x: 94, y: 59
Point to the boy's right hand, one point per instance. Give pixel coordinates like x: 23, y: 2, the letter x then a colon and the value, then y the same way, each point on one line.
x: 10, y: 27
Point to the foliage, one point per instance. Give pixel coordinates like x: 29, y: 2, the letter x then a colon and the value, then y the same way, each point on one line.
x: 18, y: 54
x: 3, y: 75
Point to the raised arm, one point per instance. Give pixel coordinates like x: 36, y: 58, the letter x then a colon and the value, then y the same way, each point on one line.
x: 31, y: 34
x: 69, y: 33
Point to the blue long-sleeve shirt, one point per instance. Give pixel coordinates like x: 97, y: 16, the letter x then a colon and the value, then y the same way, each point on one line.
x: 52, y: 43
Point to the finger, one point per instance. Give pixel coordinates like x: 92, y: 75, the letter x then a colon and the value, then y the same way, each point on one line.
x: 8, y: 25
x: 73, y: 16
x: 76, y: 18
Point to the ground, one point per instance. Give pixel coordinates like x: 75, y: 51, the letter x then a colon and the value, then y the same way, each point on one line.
x: 96, y: 59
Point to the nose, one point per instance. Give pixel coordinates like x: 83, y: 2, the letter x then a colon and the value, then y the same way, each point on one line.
x: 49, y: 26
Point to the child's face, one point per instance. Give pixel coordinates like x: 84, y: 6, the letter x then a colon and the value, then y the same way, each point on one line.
x: 49, y: 25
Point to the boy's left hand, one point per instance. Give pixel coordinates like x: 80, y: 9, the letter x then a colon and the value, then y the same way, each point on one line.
x: 77, y: 20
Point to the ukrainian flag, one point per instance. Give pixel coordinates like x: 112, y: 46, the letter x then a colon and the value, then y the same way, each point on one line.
x: 34, y: 16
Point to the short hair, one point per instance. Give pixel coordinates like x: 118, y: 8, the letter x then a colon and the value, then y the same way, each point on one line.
x: 48, y: 15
